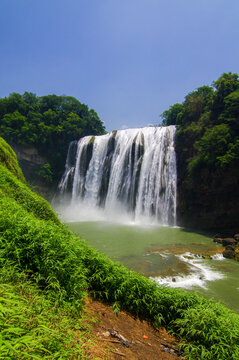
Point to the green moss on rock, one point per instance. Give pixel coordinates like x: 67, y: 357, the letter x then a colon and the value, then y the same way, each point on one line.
x: 92, y: 139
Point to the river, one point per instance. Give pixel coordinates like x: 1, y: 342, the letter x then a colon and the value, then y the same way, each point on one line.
x: 169, y: 255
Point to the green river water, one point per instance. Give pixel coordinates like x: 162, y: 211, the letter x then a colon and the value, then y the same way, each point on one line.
x: 168, y: 255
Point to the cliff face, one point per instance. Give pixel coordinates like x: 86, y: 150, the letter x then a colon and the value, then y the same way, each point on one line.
x: 31, y: 163
x: 210, y: 199
x: 29, y: 154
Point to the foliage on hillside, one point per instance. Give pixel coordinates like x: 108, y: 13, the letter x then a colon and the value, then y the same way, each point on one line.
x: 49, y: 123
x: 33, y: 327
x: 207, y: 146
x: 9, y: 160
x: 63, y: 268
x: 13, y: 189
x: 13, y: 186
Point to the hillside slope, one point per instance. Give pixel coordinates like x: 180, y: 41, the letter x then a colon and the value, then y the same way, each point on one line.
x: 51, y: 261
x: 9, y: 160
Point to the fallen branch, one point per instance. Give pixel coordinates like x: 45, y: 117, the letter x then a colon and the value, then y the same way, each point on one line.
x: 143, y: 342
x: 120, y: 354
x: 174, y: 352
x: 113, y: 341
x: 168, y: 351
x: 115, y: 333
x: 168, y: 346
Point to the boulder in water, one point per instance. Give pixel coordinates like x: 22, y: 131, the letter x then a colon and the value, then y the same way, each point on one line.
x: 229, y: 254
x: 229, y: 241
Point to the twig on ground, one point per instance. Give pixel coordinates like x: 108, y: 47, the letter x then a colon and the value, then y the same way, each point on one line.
x: 113, y: 341
x: 174, y: 352
x: 115, y: 333
x: 120, y: 354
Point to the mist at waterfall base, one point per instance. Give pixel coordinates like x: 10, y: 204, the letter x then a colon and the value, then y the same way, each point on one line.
x: 119, y: 193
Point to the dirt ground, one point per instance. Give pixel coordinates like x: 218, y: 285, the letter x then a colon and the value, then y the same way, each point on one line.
x: 113, y: 333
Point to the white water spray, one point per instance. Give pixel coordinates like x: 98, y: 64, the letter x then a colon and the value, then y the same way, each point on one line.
x: 131, y: 172
x: 200, y: 273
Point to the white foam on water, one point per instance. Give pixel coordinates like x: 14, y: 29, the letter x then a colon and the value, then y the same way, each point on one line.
x: 199, y: 275
x: 217, y: 257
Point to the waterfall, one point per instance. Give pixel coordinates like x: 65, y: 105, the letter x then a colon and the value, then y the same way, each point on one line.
x: 129, y: 172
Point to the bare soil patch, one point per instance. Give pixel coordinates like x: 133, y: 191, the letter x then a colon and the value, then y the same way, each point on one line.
x: 113, y: 332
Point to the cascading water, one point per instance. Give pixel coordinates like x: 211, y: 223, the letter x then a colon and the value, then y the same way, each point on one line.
x: 129, y: 171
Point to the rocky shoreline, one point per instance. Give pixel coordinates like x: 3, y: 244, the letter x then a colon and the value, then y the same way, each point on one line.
x: 231, y: 245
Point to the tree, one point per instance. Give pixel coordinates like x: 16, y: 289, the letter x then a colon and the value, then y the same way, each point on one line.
x: 170, y: 117
x: 30, y: 98
x: 214, y: 143
x: 225, y: 85
x: 45, y: 172
x: 47, y: 122
x: 207, y: 149
x: 197, y: 102
x: 230, y: 115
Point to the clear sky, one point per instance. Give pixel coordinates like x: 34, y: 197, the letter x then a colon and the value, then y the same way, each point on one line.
x: 127, y: 59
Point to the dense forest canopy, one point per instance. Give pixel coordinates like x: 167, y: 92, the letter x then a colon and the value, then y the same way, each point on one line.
x: 49, y: 123
x: 207, y: 146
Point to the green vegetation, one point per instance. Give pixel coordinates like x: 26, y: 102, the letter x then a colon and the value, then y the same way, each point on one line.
x: 207, y: 146
x: 12, y: 189
x: 33, y: 327
x: 49, y: 123
x: 211, y: 329
x: 9, y: 160
x: 46, y: 272
x: 35, y: 321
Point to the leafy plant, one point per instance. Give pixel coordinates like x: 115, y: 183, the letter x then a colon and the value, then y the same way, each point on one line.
x: 32, y: 327
x: 45, y: 172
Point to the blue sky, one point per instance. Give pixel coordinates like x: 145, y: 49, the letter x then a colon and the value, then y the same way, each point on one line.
x: 127, y: 59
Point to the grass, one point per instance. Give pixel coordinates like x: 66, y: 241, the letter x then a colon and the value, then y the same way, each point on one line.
x: 55, y: 271
x: 32, y: 327
x: 13, y: 188
x: 9, y: 159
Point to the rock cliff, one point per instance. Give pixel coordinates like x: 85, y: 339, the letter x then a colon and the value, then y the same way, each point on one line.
x: 31, y: 163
